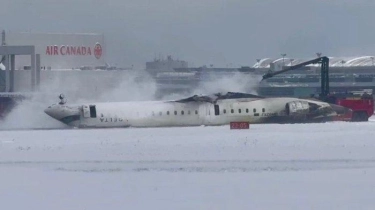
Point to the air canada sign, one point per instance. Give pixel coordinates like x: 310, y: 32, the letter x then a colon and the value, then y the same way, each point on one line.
x: 67, y: 50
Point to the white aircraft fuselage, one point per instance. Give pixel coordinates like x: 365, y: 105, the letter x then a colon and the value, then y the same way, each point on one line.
x: 195, y: 111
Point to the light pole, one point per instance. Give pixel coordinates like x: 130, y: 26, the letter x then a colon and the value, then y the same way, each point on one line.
x: 372, y: 59
x: 283, y: 54
x: 319, y: 54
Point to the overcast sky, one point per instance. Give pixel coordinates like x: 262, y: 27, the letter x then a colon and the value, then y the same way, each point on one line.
x: 201, y: 32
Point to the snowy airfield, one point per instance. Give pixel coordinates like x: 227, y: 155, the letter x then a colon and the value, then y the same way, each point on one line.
x: 44, y: 165
x: 300, y: 166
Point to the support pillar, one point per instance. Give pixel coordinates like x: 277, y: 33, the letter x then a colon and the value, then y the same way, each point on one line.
x: 37, y: 66
x: 10, y: 52
x: 33, y: 70
x: 12, y: 69
x: 7, y: 73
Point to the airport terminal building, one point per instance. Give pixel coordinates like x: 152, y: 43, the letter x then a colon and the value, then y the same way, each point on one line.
x: 62, y: 57
x: 60, y: 50
x: 80, y: 58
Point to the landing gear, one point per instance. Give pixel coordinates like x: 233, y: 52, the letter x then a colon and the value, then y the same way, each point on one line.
x: 62, y: 99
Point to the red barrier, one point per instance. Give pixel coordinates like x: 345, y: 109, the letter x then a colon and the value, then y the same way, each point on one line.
x: 239, y: 125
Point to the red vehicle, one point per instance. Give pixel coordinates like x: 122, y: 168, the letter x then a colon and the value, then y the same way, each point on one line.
x: 360, y: 102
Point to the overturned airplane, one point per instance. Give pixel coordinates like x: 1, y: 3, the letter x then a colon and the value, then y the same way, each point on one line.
x: 216, y: 109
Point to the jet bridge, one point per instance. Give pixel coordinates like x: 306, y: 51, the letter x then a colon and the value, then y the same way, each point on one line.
x: 8, y: 54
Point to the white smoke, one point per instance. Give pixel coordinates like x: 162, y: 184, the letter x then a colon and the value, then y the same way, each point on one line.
x: 237, y: 82
x: 29, y: 114
x: 135, y: 86
x: 110, y: 87
x: 85, y: 88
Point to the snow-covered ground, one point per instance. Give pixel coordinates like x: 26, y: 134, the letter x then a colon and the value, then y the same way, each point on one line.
x: 301, y: 166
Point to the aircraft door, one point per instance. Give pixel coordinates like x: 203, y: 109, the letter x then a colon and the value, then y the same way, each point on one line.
x: 204, y: 113
x: 92, y: 111
x: 208, y: 112
x: 217, y: 110
x: 85, y: 111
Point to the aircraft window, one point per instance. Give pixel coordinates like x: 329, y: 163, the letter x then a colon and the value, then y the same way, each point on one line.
x: 175, y: 112
x: 239, y: 111
x: 232, y: 111
x: 254, y: 110
x: 182, y: 112
x: 189, y: 112
x: 160, y: 113
x: 224, y: 111
x: 167, y: 112
x: 263, y: 110
x: 196, y: 111
x: 247, y: 110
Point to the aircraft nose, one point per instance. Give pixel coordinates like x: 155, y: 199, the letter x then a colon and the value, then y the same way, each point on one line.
x: 51, y: 111
x: 66, y: 114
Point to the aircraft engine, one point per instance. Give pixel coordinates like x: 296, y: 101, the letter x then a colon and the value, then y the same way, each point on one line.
x: 297, y: 108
